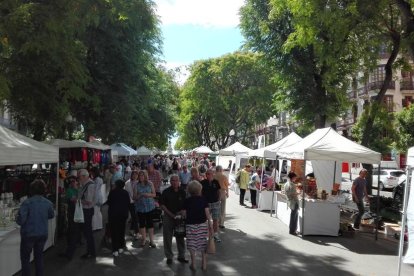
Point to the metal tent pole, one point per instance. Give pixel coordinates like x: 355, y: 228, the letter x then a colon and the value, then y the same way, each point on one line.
x: 403, y: 218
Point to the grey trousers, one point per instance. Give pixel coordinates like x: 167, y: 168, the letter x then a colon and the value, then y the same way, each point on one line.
x: 167, y: 233
x: 223, y: 199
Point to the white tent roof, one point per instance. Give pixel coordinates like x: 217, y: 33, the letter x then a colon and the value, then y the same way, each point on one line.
x: 202, y: 150
x: 123, y: 150
x: 143, y: 151
x: 99, y: 145
x: 270, y: 150
x: 236, y: 148
x: 18, y: 149
x: 65, y: 144
x: 410, y: 157
x: 327, y: 144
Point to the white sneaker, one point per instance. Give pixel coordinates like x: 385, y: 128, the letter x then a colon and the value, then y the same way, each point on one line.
x: 115, y: 254
x: 120, y: 250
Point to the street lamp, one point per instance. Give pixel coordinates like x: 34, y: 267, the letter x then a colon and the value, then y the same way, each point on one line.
x: 70, y: 120
x: 232, y: 133
x: 213, y: 142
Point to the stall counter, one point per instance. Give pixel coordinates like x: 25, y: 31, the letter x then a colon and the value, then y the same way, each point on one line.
x: 10, y: 248
x: 265, y: 200
x: 321, y: 217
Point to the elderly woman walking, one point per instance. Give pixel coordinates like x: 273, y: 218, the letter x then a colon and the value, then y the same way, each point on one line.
x: 198, y: 223
x: 118, y: 202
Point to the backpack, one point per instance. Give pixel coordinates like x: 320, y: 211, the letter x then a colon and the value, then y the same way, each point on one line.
x: 238, y: 178
x: 202, y: 168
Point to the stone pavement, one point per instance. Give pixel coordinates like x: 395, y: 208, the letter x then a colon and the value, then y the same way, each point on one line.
x: 254, y: 243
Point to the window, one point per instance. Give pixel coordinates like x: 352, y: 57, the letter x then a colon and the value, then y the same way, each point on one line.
x: 389, y: 103
x: 407, y: 101
x: 378, y: 75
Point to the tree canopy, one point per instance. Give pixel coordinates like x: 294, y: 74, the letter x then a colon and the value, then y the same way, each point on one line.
x: 95, y: 60
x: 232, y: 92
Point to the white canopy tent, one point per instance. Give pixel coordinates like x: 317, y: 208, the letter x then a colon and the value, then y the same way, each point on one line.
x: 202, y: 150
x: 269, y: 152
x: 18, y: 149
x: 408, y: 213
x: 327, y: 144
x: 143, y: 151
x: 123, y: 150
x: 236, y: 148
x: 66, y: 144
x: 324, y: 147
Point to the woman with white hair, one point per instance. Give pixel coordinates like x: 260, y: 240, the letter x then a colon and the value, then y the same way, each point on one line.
x: 198, y: 223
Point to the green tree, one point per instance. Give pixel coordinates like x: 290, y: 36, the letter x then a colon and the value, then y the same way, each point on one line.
x: 383, y: 126
x: 95, y: 60
x: 221, y: 94
x: 43, y: 64
x: 405, y: 127
x: 311, y: 81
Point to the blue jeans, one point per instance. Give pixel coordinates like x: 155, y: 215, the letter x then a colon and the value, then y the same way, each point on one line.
x: 28, y: 244
x: 293, y: 223
x: 361, y: 211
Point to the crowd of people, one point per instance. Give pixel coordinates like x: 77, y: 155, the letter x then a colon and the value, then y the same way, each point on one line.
x: 187, y: 192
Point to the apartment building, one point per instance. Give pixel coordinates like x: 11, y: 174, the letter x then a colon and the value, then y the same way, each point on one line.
x: 400, y: 94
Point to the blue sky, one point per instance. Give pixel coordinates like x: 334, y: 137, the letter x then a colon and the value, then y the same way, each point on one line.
x: 198, y: 29
x: 187, y: 43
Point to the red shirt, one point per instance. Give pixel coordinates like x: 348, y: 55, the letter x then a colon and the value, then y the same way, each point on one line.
x: 155, y: 178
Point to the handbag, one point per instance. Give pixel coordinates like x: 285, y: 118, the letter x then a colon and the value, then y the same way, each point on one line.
x: 179, y: 228
x: 78, y: 216
x: 211, y: 246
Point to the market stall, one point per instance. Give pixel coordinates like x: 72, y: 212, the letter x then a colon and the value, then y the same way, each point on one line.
x: 326, y: 149
x: 143, y: 151
x: 18, y: 154
x: 267, y: 198
x: 123, y: 150
x: 79, y: 154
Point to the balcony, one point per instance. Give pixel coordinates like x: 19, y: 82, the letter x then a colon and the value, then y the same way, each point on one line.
x: 407, y: 85
x: 378, y: 84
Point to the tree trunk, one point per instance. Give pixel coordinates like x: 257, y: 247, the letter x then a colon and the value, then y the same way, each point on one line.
x: 407, y: 18
x: 367, y: 138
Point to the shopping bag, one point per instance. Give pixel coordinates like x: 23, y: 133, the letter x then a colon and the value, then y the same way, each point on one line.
x: 179, y: 227
x: 211, y: 246
x: 78, y: 216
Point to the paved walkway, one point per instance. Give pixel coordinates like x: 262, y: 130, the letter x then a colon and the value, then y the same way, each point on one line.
x: 253, y: 244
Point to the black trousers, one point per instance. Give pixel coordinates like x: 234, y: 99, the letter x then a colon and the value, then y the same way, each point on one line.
x: 117, y: 225
x: 242, y: 193
x: 87, y: 231
x: 253, y: 194
x: 134, y: 219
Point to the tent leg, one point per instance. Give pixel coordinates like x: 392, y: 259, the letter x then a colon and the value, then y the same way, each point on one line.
x: 404, y: 218
x: 378, y: 203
